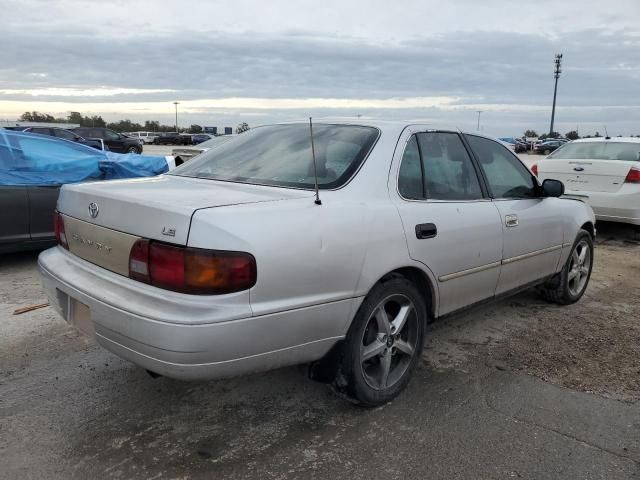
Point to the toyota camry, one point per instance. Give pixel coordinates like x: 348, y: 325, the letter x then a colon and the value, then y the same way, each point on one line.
x: 331, y: 244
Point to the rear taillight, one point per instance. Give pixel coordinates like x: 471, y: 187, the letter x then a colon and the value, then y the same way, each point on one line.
x: 191, y: 270
x: 534, y: 169
x: 58, y: 228
x: 633, y: 176
x: 139, y: 261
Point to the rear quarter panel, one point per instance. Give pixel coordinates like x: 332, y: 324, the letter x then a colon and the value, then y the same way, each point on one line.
x: 308, y: 254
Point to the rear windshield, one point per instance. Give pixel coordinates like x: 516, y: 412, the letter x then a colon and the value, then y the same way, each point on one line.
x: 599, y: 151
x: 281, y: 155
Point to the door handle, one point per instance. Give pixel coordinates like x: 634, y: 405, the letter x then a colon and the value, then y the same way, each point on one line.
x: 426, y: 230
x: 511, y: 220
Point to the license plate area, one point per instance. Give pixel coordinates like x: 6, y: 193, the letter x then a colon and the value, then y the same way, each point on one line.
x: 79, y: 315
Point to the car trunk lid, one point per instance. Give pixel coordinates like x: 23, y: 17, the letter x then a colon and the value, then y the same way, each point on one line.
x: 586, y: 175
x: 104, y: 219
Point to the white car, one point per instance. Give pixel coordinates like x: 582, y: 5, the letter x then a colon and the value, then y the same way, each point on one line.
x: 603, y: 171
x: 145, y: 137
x: 232, y: 264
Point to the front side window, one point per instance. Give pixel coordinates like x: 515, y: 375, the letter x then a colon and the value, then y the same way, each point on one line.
x: 109, y: 135
x: 64, y: 134
x: 506, y: 176
x: 280, y: 155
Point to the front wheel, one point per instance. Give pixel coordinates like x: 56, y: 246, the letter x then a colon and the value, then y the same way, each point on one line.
x: 547, y: 151
x: 133, y: 149
x: 383, y: 344
x: 570, y: 284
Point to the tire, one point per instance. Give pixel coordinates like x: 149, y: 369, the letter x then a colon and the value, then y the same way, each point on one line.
x: 547, y: 152
x: 133, y: 149
x: 392, y: 345
x: 568, y: 287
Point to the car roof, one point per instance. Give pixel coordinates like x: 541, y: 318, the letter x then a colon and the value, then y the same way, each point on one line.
x: 385, y: 125
x: 608, y: 139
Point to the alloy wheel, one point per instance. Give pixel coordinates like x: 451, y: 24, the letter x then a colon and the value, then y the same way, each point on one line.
x: 579, y: 268
x: 389, y: 341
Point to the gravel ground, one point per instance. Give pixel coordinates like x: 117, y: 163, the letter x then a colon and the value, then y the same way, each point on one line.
x: 488, y: 401
x: 593, y: 345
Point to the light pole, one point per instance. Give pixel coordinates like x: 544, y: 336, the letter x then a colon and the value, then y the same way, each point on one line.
x: 556, y: 73
x: 176, y: 104
x: 479, y: 112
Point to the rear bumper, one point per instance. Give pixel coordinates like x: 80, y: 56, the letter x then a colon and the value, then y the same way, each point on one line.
x: 186, y: 336
x: 621, y: 206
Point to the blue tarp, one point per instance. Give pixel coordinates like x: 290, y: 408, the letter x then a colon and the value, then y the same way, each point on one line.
x: 32, y: 159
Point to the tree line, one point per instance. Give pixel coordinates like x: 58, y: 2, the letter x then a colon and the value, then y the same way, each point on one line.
x: 119, y: 126
x: 572, y: 135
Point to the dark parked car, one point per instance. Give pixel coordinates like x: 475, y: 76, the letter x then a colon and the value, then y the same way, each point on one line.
x: 521, y: 147
x: 548, y: 146
x: 32, y: 169
x: 64, y: 134
x: 115, y: 141
x: 199, y: 138
x: 172, y: 138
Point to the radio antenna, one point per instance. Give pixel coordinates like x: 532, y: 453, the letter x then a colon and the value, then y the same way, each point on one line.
x: 315, y: 169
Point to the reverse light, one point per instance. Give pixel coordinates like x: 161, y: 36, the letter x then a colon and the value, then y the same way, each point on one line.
x: 58, y: 229
x: 534, y: 169
x: 633, y: 176
x: 191, y: 270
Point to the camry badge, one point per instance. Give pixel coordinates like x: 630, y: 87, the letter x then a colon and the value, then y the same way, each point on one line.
x: 169, y: 232
x: 93, y: 209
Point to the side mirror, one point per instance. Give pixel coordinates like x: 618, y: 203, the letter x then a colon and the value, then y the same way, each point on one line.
x: 552, y: 188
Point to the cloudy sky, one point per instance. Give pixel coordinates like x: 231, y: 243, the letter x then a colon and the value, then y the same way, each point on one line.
x: 263, y: 61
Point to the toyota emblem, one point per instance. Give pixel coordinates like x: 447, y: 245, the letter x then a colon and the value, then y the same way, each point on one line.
x: 93, y: 209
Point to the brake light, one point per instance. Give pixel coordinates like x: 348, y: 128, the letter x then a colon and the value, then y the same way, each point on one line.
x: 191, y: 270
x: 633, y: 176
x: 534, y: 169
x: 58, y: 229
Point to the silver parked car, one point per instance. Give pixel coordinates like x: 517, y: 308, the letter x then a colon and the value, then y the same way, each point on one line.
x: 230, y: 264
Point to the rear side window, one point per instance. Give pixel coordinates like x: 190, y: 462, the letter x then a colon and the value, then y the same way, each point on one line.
x: 448, y: 171
x: 410, y: 178
x: 437, y: 166
x: 506, y: 176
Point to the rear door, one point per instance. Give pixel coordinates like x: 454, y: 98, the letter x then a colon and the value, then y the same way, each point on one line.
x: 42, y: 203
x: 533, y: 226
x: 14, y: 202
x: 450, y: 224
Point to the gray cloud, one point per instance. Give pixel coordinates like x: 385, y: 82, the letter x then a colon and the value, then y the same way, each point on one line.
x: 601, y: 70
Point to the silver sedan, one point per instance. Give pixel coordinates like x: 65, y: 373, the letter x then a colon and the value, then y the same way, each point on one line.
x: 332, y: 245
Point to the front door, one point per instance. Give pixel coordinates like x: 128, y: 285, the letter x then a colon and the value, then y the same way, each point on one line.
x: 450, y: 224
x: 533, y: 225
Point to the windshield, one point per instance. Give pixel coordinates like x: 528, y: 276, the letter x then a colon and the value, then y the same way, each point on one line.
x: 599, y: 151
x: 281, y: 155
